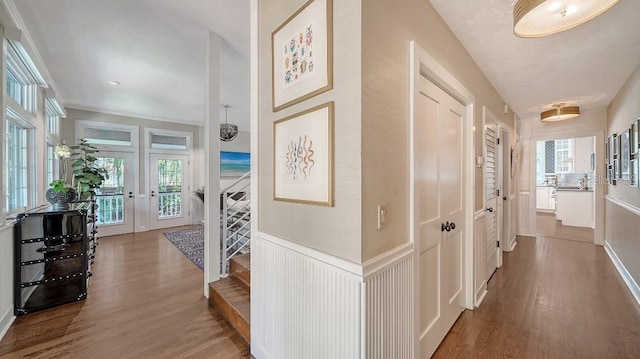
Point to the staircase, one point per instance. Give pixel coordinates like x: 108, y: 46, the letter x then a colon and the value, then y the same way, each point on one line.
x: 231, y: 295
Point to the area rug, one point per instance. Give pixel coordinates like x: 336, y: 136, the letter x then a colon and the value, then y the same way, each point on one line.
x: 190, y: 242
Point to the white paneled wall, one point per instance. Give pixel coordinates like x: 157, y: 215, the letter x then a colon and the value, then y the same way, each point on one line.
x: 307, y: 304
x: 389, y: 308
x: 623, y: 243
x: 6, y: 279
x: 480, y: 258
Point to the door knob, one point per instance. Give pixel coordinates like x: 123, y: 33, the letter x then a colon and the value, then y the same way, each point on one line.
x: 504, y: 198
x: 490, y: 209
x: 452, y: 225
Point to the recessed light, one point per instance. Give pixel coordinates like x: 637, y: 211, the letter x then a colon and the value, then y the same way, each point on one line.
x: 114, y: 83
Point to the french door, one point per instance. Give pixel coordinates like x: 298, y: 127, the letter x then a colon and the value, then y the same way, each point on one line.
x: 439, y: 216
x: 115, y: 198
x: 169, y: 191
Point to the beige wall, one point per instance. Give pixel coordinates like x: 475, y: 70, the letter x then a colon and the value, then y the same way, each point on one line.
x: 622, y: 225
x: 387, y: 29
x: 333, y: 230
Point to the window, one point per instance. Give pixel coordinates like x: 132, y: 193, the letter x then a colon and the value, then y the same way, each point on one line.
x: 14, y: 87
x: 17, y: 179
x: 52, y: 163
x: 564, y: 156
x: 103, y: 136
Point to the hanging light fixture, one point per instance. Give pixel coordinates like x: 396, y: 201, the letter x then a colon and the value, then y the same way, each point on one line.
x: 539, y: 18
x: 560, y: 112
x: 227, y: 131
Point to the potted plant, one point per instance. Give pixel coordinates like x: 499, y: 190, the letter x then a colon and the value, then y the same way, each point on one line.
x: 87, y: 175
x: 60, y: 194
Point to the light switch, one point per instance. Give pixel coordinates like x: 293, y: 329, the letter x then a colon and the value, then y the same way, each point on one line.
x: 382, y: 217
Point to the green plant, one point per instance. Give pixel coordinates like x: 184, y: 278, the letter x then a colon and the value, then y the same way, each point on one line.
x: 87, y: 175
x: 60, y: 186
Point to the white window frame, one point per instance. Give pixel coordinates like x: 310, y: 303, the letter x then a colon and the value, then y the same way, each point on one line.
x: 30, y: 161
x: 82, y: 125
x: 563, y: 155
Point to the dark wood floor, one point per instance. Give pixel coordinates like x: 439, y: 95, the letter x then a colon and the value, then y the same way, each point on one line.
x: 548, y: 226
x: 145, y: 301
x: 552, y: 298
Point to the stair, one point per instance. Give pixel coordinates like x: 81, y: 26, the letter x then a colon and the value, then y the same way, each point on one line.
x: 231, y: 295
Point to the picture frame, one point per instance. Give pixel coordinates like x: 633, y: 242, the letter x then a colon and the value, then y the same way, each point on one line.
x: 634, y: 137
x: 234, y: 164
x: 303, y: 157
x: 302, y: 55
x: 607, y: 151
x: 625, y: 156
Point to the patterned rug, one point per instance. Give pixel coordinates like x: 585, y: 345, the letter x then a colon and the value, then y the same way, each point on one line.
x: 190, y: 242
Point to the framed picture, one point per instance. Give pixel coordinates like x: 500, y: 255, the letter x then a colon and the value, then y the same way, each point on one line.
x: 624, y: 156
x: 633, y: 173
x: 234, y: 164
x: 303, y: 157
x: 615, y: 149
x: 302, y: 55
x: 634, y: 137
x: 607, y: 151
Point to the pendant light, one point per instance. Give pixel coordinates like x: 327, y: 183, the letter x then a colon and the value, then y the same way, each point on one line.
x: 227, y: 131
x: 539, y: 18
x: 560, y: 112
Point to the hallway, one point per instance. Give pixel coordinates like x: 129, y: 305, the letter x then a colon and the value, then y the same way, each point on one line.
x: 552, y: 298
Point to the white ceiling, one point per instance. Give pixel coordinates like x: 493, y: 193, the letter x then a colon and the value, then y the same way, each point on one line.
x: 585, y: 66
x: 155, y: 48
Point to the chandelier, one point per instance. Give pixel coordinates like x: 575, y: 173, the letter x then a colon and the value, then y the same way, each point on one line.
x: 227, y: 131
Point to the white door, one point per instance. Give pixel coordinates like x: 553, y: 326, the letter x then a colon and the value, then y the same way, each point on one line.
x: 169, y: 191
x: 491, y: 180
x: 115, y: 198
x: 505, y: 190
x: 438, y: 213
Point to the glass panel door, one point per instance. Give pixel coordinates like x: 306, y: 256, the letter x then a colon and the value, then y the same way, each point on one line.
x: 168, y: 190
x: 115, y: 198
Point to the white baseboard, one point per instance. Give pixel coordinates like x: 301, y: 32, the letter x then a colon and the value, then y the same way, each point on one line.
x: 514, y: 243
x: 6, y: 321
x: 626, y: 276
x: 481, y: 293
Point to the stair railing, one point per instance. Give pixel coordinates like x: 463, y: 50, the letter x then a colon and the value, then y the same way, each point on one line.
x: 235, y: 221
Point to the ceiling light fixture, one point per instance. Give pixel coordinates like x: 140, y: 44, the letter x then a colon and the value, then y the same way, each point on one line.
x: 114, y: 83
x: 227, y: 131
x: 560, y: 112
x: 539, y: 18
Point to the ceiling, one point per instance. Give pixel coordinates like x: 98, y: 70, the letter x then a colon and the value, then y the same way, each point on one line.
x: 584, y: 66
x: 156, y: 49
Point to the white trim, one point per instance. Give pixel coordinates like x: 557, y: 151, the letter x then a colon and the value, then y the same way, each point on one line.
x: 514, y: 243
x: 423, y: 64
x: 158, y: 131
x: 626, y: 276
x: 629, y: 207
x: 254, y: 47
x: 81, y: 125
x: 351, y: 268
x: 181, y: 121
x: 6, y: 321
x: 383, y: 261
x: 479, y: 214
x: 482, y: 295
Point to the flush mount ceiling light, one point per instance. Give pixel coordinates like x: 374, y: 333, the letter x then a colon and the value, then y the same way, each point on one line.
x: 538, y: 18
x: 227, y: 131
x: 560, y: 112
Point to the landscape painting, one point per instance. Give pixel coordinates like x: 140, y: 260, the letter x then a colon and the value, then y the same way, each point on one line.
x: 234, y: 164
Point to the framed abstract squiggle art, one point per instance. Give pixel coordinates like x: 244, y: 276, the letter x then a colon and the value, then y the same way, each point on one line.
x: 303, y: 157
x: 302, y: 59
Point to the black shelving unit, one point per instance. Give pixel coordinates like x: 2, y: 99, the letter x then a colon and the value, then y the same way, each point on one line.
x: 54, y: 249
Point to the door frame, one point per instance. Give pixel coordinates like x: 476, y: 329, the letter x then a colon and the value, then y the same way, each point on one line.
x: 424, y: 65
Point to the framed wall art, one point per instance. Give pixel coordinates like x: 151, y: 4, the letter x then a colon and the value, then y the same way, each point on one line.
x: 624, y: 156
x: 234, y: 164
x: 303, y: 157
x: 302, y: 55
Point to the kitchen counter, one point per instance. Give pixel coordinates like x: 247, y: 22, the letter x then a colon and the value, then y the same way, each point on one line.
x: 575, y: 207
x: 573, y: 189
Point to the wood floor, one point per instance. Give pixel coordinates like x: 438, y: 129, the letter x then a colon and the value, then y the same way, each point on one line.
x: 145, y: 301
x: 548, y: 226
x: 552, y: 298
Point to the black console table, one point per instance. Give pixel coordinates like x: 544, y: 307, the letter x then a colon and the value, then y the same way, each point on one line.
x: 54, y: 250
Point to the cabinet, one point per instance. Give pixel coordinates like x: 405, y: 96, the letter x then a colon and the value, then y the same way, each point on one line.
x: 546, y: 198
x: 53, y: 253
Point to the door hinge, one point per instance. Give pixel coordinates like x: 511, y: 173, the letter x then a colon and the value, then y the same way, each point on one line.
x: 498, y: 140
x: 498, y: 192
x: 498, y: 244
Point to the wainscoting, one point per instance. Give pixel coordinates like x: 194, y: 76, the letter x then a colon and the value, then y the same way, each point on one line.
x: 480, y: 258
x: 623, y: 243
x: 338, y: 309
x: 6, y: 279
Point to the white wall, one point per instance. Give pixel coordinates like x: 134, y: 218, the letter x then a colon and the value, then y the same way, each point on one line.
x: 6, y: 279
